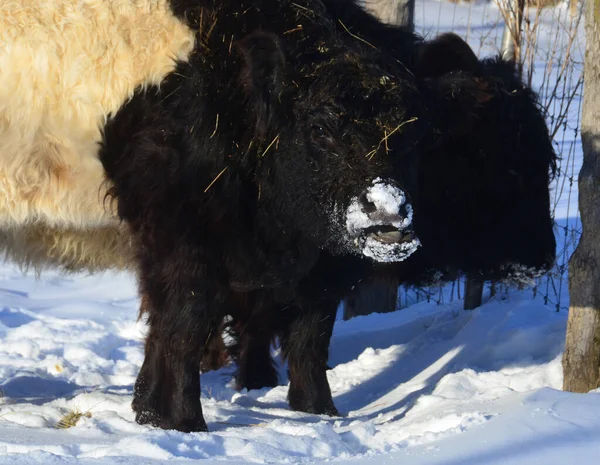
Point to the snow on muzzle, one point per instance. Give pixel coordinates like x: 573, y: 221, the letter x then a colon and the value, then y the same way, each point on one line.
x: 379, y: 222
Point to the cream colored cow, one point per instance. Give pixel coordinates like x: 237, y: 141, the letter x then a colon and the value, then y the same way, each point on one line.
x: 65, y: 66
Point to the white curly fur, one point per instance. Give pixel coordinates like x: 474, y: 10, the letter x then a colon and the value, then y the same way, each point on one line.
x: 65, y: 65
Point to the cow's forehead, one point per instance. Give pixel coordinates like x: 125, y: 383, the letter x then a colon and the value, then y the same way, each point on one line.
x: 358, y: 73
x: 364, y: 90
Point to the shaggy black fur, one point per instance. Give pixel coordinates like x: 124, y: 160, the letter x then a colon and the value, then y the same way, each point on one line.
x: 234, y: 176
x: 480, y: 192
x: 482, y: 204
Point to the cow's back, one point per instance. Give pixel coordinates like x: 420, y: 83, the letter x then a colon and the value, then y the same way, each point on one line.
x: 65, y: 65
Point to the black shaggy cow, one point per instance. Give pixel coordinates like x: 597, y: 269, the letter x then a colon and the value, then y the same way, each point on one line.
x: 259, y: 155
x: 480, y: 192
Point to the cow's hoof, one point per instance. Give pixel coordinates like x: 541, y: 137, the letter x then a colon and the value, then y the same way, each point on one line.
x: 148, y: 417
x: 190, y: 425
x: 328, y: 410
x: 187, y: 425
x: 314, y: 406
x: 331, y: 411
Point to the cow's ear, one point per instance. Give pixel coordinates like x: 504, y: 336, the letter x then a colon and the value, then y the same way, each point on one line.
x: 444, y: 54
x: 452, y: 73
x: 262, y: 76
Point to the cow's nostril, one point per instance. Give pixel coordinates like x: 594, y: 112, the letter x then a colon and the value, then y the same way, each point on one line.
x: 403, y: 210
x: 366, y: 205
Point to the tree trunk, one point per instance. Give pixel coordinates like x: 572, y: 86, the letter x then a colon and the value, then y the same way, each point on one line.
x: 512, y: 37
x: 398, y: 12
x: 473, y: 293
x: 405, y: 14
x: 369, y: 297
x: 581, y: 360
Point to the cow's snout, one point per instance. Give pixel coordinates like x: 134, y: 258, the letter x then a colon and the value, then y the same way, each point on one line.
x: 387, y: 205
x: 380, y: 204
x: 380, y: 221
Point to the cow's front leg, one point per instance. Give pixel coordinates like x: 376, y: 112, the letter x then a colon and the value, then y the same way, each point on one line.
x: 167, y: 390
x: 305, y: 344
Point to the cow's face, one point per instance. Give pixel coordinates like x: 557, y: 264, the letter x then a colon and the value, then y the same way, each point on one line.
x: 346, y: 119
x: 323, y: 162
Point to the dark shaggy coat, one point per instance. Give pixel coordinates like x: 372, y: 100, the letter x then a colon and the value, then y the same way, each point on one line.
x: 235, y: 176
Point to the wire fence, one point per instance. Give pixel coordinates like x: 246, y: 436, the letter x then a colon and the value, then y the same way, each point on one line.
x: 550, y: 50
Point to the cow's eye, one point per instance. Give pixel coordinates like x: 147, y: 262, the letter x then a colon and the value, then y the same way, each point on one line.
x: 321, y: 137
x: 318, y: 131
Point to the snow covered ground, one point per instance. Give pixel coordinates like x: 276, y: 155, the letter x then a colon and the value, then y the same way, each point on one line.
x: 430, y: 384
